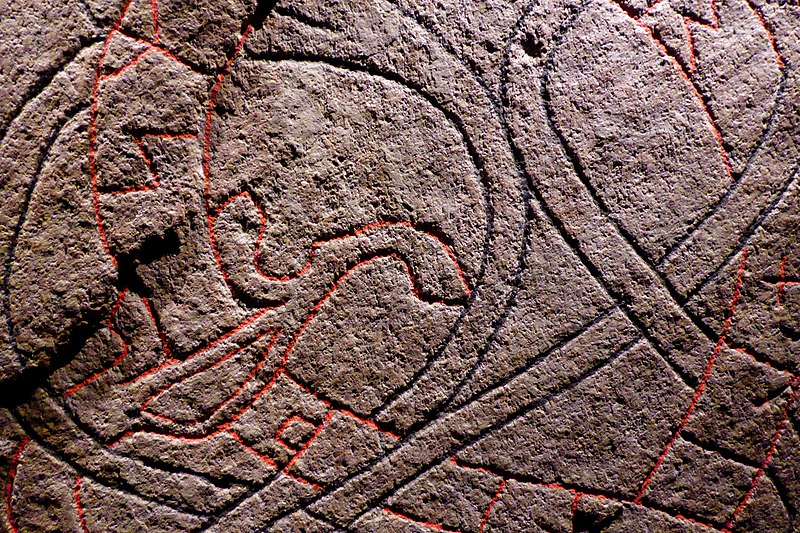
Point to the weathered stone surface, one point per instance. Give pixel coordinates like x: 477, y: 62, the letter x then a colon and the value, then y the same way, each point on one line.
x: 398, y: 265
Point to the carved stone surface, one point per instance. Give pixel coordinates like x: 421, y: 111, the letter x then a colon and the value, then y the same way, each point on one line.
x: 397, y: 265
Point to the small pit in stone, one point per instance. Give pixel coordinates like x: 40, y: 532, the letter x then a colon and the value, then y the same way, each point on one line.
x: 533, y: 46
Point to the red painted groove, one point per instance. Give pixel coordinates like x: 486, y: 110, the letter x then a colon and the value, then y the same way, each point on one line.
x: 283, y: 372
x: 687, y: 78
x: 316, y: 244
x: 308, y: 443
x: 692, y: 54
x: 382, y: 224
x: 76, y: 494
x: 500, y: 488
x: 252, y: 450
x: 702, y: 385
x: 173, y: 360
x: 284, y: 425
x: 152, y: 46
x: 212, y: 102
x: 743, y: 351
x: 431, y: 525
x: 369, y: 423
x: 127, y: 65
x: 149, y: 162
x: 93, y: 133
x: 150, y: 372
x: 782, y: 283
x: 99, y: 77
x: 164, y: 347
x: 576, y: 499
x: 167, y: 53
x: 770, y: 35
x: 114, y: 331
x: 584, y: 492
x: 227, y: 356
x: 154, y: 15
x: 12, y: 473
x: 133, y: 37
x: 462, y: 464
x: 212, y: 223
x: 156, y: 183
x: 184, y: 438
x: 304, y: 481
x: 160, y: 49
x: 714, y: 25
x: 325, y: 297
x: 252, y: 373
x: 224, y: 428
x: 219, y: 429
x: 159, y: 331
x: 768, y: 457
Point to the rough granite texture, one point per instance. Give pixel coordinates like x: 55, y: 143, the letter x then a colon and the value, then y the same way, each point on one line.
x: 400, y: 265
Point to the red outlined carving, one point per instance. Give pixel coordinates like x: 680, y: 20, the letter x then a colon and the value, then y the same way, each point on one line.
x: 76, y: 495
x: 795, y: 388
x: 318, y: 243
x: 250, y: 449
x: 155, y: 181
x: 573, y: 509
x: 164, y: 346
x: 226, y: 427
x: 303, y: 449
x: 760, y: 360
x: 704, y: 380
x: 266, y: 351
x: 212, y: 102
x: 99, y: 78
x: 12, y: 474
x: 93, y: 133
x: 770, y: 35
x: 127, y: 65
x: 687, y: 71
x: 499, y: 492
x: 782, y: 282
x: 431, y: 525
x: 286, y: 423
x: 113, y: 329
x: 172, y: 360
x: 154, y: 14
x: 579, y: 493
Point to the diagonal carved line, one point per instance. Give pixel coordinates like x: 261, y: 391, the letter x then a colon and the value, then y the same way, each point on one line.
x: 767, y: 457
x: 698, y: 393
x: 628, y: 276
x: 733, y: 191
x: 490, y: 411
x: 86, y: 474
x: 705, y: 341
x: 478, y: 162
x: 746, y: 236
x: 536, y: 204
x: 464, y: 418
x: 578, y: 490
x: 563, y: 344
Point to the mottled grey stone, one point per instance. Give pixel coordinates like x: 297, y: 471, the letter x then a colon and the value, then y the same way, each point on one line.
x: 400, y: 265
